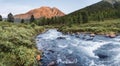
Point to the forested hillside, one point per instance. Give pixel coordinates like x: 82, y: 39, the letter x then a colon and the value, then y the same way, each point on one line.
x: 97, y: 12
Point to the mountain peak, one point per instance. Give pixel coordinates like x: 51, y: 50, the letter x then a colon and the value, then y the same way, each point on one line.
x: 112, y: 1
x: 43, y: 11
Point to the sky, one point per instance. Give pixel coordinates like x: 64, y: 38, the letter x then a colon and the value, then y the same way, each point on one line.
x: 23, y: 6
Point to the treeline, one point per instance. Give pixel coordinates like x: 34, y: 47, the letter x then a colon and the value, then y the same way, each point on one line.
x: 10, y: 18
x: 80, y: 18
x: 96, y: 12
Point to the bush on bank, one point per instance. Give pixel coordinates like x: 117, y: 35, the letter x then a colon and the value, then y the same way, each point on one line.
x: 17, y: 45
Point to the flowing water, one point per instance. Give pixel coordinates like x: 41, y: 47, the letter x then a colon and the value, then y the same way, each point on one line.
x: 78, y: 50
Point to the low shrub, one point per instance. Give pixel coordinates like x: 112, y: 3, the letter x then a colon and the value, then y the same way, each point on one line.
x: 17, y: 45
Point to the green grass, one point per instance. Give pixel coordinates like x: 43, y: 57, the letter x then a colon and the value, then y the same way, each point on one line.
x: 94, y: 27
x: 17, y: 44
x: 17, y: 41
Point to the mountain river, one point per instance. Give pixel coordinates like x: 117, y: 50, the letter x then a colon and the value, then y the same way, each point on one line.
x: 78, y: 50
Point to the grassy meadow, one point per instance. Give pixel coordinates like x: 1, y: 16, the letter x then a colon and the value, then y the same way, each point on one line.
x: 105, y: 27
x: 17, y: 44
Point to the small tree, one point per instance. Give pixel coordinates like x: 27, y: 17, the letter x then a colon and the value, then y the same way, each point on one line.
x: 1, y: 18
x: 22, y: 21
x: 32, y: 19
x: 10, y: 18
x: 84, y: 17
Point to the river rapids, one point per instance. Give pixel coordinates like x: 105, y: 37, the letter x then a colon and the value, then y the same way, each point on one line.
x: 78, y: 50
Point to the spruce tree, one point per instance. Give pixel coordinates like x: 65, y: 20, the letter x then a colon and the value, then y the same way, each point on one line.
x: 10, y: 18
x: 22, y: 20
x: 1, y: 18
x: 32, y: 19
x: 84, y: 17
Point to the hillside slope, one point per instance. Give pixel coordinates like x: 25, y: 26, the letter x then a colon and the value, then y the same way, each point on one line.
x: 102, y: 9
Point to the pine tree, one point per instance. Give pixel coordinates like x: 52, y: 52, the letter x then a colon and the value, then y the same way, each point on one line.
x: 32, y: 19
x: 22, y: 20
x: 10, y: 18
x: 79, y: 19
x: 84, y: 17
x: 1, y: 18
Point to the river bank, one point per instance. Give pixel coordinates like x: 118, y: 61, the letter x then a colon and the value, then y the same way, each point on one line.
x: 96, y: 27
x: 17, y: 44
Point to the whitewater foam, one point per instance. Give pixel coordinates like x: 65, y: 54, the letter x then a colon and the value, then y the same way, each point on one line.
x: 74, y: 50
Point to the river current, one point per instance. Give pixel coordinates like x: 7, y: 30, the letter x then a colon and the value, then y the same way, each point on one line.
x: 78, y: 50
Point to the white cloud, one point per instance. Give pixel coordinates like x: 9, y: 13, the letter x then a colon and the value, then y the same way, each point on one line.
x: 15, y: 9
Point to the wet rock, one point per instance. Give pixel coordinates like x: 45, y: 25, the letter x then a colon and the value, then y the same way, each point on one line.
x: 107, y: 35
x: 51, y: 51
x: 52, y: 64
x: 37, y: 40
x: 38, y: 57
x: 84, y: 36
x: 77, y: 33
x: 91, y: 38
x: 68, y: 32
x: 112, y: 35
x: 77, y: 36
x: 72, y: 34
x: 61, y: 38
x: 101, y: 56
x: 92, y: 35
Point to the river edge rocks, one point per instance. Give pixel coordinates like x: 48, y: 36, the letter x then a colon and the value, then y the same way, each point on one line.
x: 109, y: 35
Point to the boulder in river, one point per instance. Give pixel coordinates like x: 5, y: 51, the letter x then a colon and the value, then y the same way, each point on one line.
x: 92, y: 35
x: 107, y: 35
x: 111, y: 35
x: 61, y: 38
x: 77, y: 33
x: 52, y: 64
x: 102, y: 56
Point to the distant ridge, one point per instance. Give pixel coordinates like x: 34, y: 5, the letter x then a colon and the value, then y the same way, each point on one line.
x: 105, y: 9
x: 112, y: 1
x: 41, y: 12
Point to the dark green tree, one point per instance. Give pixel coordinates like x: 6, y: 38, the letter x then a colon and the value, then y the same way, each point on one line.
x: 79, y: 19
x: 32, y: 19
x: 84, y: 17
x: 10, y: 18
x: 22, y: 21
x: 1, y: 18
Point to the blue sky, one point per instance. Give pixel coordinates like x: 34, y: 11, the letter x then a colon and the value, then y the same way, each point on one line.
x: 22, y: 6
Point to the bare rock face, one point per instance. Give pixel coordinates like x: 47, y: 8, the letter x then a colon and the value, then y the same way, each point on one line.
x: 112, y: 1
x: 41, y: 12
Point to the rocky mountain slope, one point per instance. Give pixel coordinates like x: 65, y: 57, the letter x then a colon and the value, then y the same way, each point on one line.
x: 41, y: 12
x: 112, y: 1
